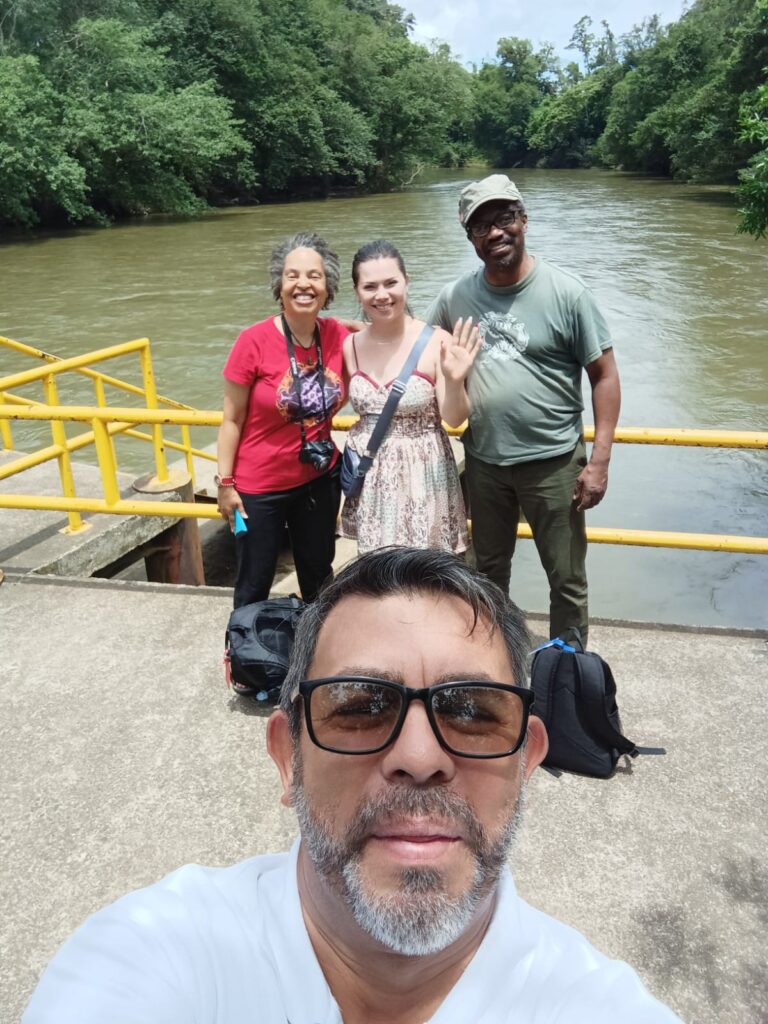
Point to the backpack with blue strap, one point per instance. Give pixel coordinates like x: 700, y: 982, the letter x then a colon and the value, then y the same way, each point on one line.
x: 575, y: 696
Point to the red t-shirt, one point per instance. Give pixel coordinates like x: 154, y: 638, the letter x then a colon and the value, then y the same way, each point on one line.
x: 268, y: 454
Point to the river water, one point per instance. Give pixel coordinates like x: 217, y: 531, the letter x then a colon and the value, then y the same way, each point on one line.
x: 684, y: 295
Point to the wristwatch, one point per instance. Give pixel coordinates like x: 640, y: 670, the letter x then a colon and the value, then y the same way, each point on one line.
x: 224, y: 481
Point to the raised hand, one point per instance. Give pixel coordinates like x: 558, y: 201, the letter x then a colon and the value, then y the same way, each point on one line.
x: 458, y: 351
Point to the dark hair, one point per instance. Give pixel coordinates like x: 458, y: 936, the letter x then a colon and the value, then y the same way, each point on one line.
x: 381, y: 249
x: 305, y: 240
x: 398, y: 570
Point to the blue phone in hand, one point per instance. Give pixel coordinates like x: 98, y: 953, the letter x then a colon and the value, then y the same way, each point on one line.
x: 240, y: 525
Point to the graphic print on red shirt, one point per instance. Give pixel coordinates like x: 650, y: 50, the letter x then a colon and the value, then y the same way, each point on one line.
x: 311, y: 393
x: 268, y: 454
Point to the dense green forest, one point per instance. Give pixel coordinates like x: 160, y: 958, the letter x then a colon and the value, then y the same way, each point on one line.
x: 112, y: 108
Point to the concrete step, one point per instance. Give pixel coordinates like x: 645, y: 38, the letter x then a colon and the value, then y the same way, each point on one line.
x: 35, y: 541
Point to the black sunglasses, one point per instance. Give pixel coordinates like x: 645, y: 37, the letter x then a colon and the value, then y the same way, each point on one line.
x: 363, y: 715
x: 479, y: 229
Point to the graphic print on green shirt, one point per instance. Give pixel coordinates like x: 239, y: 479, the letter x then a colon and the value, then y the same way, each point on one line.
x: 525, y: 386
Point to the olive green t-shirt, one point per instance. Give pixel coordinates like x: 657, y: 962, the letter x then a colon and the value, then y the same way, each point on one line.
x: 525, y: 386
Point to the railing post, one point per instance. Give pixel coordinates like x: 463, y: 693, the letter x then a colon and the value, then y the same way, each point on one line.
x: 150, y: 398
x: 107, y: 465
x: 101, y: 401
x: 5, y: 428
x: 59, y: 433
x: 186, y: 441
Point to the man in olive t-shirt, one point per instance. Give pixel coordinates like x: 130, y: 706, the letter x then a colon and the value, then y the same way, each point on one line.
x: 524, y: 446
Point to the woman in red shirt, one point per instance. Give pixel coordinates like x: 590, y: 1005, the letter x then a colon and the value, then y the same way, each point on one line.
x: 283, y: 382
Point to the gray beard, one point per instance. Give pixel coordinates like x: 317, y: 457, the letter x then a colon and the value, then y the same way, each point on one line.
x: 421, y: 917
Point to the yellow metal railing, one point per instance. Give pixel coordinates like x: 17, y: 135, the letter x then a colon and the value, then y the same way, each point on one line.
x: 102, y: 419
x: 679, y: 436
x: 63, y: 446
x: 107, y: 421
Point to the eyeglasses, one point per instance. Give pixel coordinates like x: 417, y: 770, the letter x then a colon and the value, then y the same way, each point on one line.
x: 361, y: 715
x: 502, y: 221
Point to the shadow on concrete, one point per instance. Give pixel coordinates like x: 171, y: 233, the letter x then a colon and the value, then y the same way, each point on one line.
x: 248, y: 707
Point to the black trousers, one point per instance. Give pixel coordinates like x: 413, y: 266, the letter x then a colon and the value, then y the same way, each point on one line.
x: 310, y: 513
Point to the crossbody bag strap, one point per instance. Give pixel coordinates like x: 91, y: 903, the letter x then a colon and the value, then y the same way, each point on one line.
x: 395, y: 394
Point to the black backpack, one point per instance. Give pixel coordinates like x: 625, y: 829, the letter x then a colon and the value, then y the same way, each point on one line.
x: 258, y: 644
x: 575, y: 696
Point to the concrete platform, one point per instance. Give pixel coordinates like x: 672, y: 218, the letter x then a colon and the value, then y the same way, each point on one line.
x: 124, y: 756
x: 32, y: 541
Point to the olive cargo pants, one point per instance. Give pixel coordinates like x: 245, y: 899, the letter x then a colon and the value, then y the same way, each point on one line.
x: 543, y: 491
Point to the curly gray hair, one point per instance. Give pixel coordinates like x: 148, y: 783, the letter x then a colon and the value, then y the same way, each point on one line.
x: 305, y: 240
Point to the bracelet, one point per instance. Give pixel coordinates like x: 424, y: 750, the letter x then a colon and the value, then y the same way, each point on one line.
x: 224, y: 481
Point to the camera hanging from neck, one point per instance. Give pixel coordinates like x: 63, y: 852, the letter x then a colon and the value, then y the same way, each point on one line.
x: 307, y: 446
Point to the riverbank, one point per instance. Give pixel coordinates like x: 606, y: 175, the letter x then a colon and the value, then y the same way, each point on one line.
x: 125, y: 756
x: 721, y: 194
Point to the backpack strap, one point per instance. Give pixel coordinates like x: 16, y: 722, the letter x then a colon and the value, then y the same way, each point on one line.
x: 593, y: 693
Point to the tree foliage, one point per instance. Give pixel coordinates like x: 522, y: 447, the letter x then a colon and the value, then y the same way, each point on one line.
x: 563, y: 130
x: 676, y: 110
x: 685, y: 100
x: 110, y: 108
x: 37, y: 173
x: 753, y: 191
x: 506, y: 94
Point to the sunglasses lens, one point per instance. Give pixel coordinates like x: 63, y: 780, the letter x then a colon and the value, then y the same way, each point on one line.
x: 355, y: 716
x: 478, y: 720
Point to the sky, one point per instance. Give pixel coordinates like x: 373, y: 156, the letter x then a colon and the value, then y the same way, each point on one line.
x: 473, y: 27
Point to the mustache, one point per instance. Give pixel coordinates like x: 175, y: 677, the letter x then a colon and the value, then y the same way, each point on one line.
x: 408, y: 802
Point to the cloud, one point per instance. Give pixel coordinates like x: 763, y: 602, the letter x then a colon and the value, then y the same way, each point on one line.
x: 473, y: 28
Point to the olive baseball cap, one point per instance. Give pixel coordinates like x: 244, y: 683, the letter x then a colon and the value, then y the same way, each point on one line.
x: 494, y: 187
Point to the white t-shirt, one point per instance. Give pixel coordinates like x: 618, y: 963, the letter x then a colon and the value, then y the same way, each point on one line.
x: 229, y: 946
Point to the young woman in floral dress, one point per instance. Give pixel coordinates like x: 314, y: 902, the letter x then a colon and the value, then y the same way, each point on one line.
x: 411, y: 494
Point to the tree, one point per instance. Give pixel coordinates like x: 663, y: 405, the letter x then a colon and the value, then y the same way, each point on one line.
x: 118, y: 107
x: 142, y: 144
x: 505, y: 96
x: 38, y: 176
x: 640, y: 37
x: 676, y: 111
x: 753, y: 191
x: 564, y: 128
x: 607, y: 50
x: 584, y: 41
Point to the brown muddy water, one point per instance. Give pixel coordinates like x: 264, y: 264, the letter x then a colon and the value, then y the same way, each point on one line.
x: 685, y: 297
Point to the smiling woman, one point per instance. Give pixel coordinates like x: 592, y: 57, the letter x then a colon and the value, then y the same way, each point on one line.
x: 283, y: 382
x: 411, y: 493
